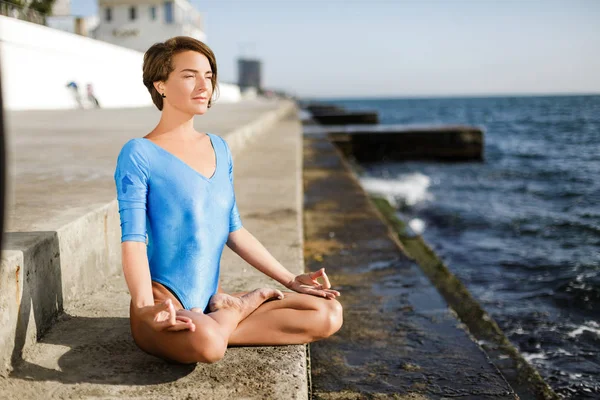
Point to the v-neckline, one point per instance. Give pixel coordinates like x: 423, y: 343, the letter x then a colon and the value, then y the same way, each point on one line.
x: 186, y: 164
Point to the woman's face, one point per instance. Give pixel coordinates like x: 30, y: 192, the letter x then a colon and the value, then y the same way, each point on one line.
x: 188, y: 87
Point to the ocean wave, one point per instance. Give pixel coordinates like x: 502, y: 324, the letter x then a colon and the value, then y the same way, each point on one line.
x: 417, y: 225
x: 590, y: 326
x: 404, y: 190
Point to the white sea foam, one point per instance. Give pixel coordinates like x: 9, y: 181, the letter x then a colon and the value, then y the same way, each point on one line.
x: 590, y: 326
x: 533, y: 356
x: 375, y: 265
x: 417, y: 225
x: 406, y: 189
x: 562, y: 351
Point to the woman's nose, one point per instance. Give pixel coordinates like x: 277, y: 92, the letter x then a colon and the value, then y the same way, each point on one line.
x: 202, y: 84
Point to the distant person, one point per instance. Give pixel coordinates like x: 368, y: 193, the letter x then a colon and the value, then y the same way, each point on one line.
x: 178, y: 209
x: 75, y: 90
x: 90, y: 96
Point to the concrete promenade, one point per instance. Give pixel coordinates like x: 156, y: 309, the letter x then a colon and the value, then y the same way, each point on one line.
x: 62, y: 257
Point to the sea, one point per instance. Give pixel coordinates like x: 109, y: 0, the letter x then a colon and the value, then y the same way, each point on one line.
x: 521, y: 229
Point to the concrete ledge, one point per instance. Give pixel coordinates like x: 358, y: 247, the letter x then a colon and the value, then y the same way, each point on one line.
x: 347, y: 117
x: 373, y: 143
x: 240, y: 137
x: 48, y: 269
x: 520, y: 374
x: 44, y: 273
x: 400, y: 338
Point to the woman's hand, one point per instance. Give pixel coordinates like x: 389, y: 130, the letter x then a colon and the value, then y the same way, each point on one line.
x: 307, y: 283
x: 163, y: 317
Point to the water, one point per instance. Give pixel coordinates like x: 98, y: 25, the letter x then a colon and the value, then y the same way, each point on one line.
x: 521, y: 229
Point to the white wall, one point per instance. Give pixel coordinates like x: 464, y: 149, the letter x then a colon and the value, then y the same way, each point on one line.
x: 142, y: 32
x: 37, y: 63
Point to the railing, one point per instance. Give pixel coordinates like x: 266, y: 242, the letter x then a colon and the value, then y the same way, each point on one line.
x: 21, y: 12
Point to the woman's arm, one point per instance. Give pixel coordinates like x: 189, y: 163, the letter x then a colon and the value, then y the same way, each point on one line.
x: 131, y: 179
x: 242, y: 242
x: 137, y: 273
x: 253, y: 252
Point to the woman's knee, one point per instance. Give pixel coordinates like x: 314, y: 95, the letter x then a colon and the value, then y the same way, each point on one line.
x: 330, y: 315
x: 207, y: 345
x: 204, y: 345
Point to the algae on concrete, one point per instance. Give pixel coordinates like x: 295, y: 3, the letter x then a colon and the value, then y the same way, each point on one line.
x: 523, y: 377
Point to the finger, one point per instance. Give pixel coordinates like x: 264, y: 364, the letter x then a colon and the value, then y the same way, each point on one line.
x: 316, y: 274
x: 181, y: 323
x: 322, y: 287
x: 181, y: 326
x: 182, y: 315
x: 334, y: 292
x: 183, y: 318
x: 158, y: 307
x: 321, y: 274
x: 160, y: 325
x: 165, y: 303
x: 190, y: 325
x: 168, y: 307
x: 172, y: 313
x: 319, y: 293
x: 164, y: 306
x: 189, y: 322
x: 326, y: 279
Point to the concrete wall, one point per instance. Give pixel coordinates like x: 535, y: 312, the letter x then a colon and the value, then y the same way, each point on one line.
x: 37, y: 62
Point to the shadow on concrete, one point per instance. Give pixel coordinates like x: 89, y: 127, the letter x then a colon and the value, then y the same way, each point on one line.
x: 41, y: 293
x: 96, y: 350
x: 72, y: 349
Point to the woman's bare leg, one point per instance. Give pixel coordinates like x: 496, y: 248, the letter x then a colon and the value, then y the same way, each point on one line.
x: 298, y: 318
x: 209, y: 340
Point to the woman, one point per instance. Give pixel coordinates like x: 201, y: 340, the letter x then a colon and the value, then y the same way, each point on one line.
x: 178, y: 210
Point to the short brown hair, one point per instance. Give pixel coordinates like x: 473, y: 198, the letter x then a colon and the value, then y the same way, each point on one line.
x: 158, y: 63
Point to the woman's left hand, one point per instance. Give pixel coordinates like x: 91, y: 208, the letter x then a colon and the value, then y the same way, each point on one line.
x: 307, y: 283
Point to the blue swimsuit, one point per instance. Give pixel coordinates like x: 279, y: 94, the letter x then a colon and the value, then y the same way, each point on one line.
x: 186, y: 216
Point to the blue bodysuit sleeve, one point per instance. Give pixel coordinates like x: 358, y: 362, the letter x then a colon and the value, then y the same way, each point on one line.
x: 131, y: 179
x: 235, y: 222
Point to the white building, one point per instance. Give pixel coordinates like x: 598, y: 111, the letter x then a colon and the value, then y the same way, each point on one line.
x: 61, y: 7
x: 138, y: 24
x: 61, y: 18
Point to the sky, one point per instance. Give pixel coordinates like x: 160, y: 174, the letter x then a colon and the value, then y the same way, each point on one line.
x: 395, y: 48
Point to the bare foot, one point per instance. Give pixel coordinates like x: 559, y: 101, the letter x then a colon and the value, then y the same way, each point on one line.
x: 245, y: 304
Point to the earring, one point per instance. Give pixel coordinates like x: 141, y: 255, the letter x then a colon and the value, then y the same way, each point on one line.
x: 163, y: 95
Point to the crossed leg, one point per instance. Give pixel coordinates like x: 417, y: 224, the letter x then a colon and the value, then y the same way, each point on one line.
x: 295, y: 319
x: 298, y: 318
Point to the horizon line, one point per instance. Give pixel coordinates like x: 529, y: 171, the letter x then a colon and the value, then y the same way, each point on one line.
x: 453, y: 96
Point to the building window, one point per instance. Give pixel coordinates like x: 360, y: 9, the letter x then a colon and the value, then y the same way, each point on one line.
x: 108, y: 14
x: 132, y: 13
x: 168, y: 12
x: 153, y: 13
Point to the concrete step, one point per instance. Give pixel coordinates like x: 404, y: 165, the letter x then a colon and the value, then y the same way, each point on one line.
x: 62, y: 284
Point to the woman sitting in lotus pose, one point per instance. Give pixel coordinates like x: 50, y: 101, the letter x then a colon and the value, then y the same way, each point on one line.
x: 177, y: 209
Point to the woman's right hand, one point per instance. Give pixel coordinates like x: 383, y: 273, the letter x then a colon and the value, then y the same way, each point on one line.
x: 162, y: 316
